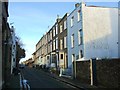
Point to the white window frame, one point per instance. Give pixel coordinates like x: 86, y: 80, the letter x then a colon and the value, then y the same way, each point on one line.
x: 78, y: 15
x: 61, y: 27
x: 53, y: 31
x: 72, y: 21
x: 57, y: 43
x: 56, y: 29
x: 65, y: 41
x: 65, y: 24
x: 50, y: 35
x: 72, y: 40
x: 54, y: 44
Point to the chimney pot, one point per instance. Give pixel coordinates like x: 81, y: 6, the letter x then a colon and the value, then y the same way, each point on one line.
x: 77, y: 5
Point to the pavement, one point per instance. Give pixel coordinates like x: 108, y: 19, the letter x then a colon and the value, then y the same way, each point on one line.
x: 13, y: 82
x: 72, y: 82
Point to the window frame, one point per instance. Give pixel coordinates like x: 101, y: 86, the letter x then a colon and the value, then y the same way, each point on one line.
x: 80, y: 37
x: 57, y: 43
x: 61, y: 44
x: 54, y: 44
x: 72, y: 41
x: 56, y: 27
x: 65, y: 42
x: 65, y: 24
x: 54, y: 33
x: 61, y: 28
x: 78, y: 15
x: 72, y: 21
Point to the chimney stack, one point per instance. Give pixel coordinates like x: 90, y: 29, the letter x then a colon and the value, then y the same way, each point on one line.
x: 77, y: 5
x: 58, y: 18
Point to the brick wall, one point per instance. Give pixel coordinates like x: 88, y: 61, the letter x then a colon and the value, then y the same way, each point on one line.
x: 107, y: 72
x: 83, y: 71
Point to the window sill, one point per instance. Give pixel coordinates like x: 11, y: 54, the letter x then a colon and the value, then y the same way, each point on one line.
x: 78, y: 21
x: 64, y: 28
x: 80, y: 44
x: 61, y: 32
x: 72, y: 26
x: 72, y: 47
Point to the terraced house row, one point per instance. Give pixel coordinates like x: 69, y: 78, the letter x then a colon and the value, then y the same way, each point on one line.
x: 52, y: 47
x: 88, y: 32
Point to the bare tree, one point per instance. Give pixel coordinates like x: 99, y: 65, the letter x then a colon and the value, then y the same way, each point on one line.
x: 19, y: 41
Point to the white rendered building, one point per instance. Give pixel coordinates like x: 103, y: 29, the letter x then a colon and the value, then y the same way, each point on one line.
x: 13, y: 42
x: 92, y: 33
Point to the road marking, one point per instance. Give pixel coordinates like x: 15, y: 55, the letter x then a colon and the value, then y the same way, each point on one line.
x: 20, y: 82
x: 28, y: 86
x: 23, y: 84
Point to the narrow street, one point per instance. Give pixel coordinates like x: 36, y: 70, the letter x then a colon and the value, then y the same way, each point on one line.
x: 59, y: 44
x: 39, y: 79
